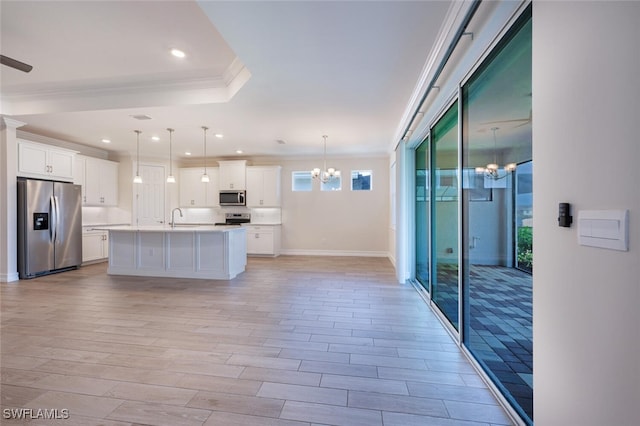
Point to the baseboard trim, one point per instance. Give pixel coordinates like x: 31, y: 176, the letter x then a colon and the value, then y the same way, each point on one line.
x: 8, y: 278
x: 339, y: 253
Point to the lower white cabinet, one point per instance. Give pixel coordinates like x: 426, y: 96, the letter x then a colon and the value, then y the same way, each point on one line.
x: 95, y: 246
x: 263, y: 240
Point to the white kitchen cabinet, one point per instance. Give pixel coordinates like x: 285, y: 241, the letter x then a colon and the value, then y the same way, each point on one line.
x: 95, y: 246
x: 100, y: 187
x: 263, y: 186
x: 42, y: 161
x: 79, y: 166
x: 194, y: 192
x: 233, y: 175
x: 263, y: 240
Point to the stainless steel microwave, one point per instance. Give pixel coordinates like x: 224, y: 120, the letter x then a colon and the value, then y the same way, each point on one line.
x: 233, y: 198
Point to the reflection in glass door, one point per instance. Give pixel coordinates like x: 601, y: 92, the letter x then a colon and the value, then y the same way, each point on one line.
x: 422, y: 207
x: 444, y: 175
x: 496, y: 233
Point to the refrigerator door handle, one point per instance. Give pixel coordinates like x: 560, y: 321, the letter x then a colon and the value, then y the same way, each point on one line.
x: 52, y: 221
x: 58, y: 215
x: 55, y: 220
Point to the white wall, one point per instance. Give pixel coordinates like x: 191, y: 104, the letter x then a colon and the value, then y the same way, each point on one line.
x: 586, y: 109
x: 336, y: 222
x: 342, y: 223
x: 8, y: 200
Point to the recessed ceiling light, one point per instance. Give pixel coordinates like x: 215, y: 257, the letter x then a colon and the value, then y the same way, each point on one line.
x: 155, y: 138
x: 106, y: 141
x: 187, y: 153
x: 178, y: 53
x: 219, y: 135
x: 239, y: 151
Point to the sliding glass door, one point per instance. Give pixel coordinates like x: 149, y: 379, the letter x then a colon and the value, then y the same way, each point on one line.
x: 497, y: 214
x: 474, y: 215
x: 444, y: 213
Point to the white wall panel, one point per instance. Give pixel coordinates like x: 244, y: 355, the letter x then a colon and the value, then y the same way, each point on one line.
x: 586, y: 109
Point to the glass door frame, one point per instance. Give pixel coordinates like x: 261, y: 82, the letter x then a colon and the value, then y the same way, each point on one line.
x: 454, y: 329
x: 413, y: 149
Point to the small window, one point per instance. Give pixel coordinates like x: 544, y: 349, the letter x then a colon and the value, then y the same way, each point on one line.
x: 333, y: 184
x: 361, y: 180
x: 301, y: 181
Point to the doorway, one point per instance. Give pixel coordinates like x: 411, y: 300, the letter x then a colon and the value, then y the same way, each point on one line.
x: 149, y: 196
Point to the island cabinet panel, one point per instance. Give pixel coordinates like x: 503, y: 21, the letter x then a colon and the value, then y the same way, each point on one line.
x: 122, y: 250
x: 210, y: 258
x: 180, y: 251
x: 237, y: 253
x: 206, y: 252
x: 151, y: 250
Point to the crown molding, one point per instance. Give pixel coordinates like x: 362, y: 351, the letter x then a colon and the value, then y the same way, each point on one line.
x: 454, y: 18
x: 132, y: 92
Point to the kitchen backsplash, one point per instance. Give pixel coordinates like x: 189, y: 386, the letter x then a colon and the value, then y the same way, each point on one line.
x: 263, y: 216
x: 105, y: 216
x: 118, y: 216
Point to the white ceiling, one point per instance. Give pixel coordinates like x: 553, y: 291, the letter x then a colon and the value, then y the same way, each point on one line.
x: 258, y: 72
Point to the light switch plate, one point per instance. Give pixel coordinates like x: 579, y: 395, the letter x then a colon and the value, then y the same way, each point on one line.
x: 607, y: 229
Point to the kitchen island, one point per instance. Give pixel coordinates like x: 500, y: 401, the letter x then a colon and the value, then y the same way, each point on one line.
x: 206, y: 252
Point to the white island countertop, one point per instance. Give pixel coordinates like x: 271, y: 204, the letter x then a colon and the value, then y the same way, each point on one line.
x: 206, y: 252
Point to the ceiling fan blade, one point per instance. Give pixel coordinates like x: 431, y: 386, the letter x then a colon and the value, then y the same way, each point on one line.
x: 523, y: 124
x: 10, y: 62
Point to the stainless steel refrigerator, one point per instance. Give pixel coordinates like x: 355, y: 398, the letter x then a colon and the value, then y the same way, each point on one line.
x: 49, y: 227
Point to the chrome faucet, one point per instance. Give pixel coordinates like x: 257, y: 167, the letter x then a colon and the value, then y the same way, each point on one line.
x: 173, y: 221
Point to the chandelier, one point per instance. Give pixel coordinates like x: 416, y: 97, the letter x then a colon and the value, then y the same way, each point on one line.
x: 492, y: 170
x: 326, y: 174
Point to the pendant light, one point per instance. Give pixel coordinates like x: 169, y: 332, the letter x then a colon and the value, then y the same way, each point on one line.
x: 170, y: 178
x: 328, y: 173
x: 205, y: 176
x: 138, y: 178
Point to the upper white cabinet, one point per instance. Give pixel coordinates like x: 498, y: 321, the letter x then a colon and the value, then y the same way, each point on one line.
x: 45, y: 161
x: 232, y: 175
x: 263, y: 186
x: 194, y: 192
x: 99, y: 180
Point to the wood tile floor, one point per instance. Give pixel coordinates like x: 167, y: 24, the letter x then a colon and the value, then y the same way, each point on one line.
x: 291, y: 341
